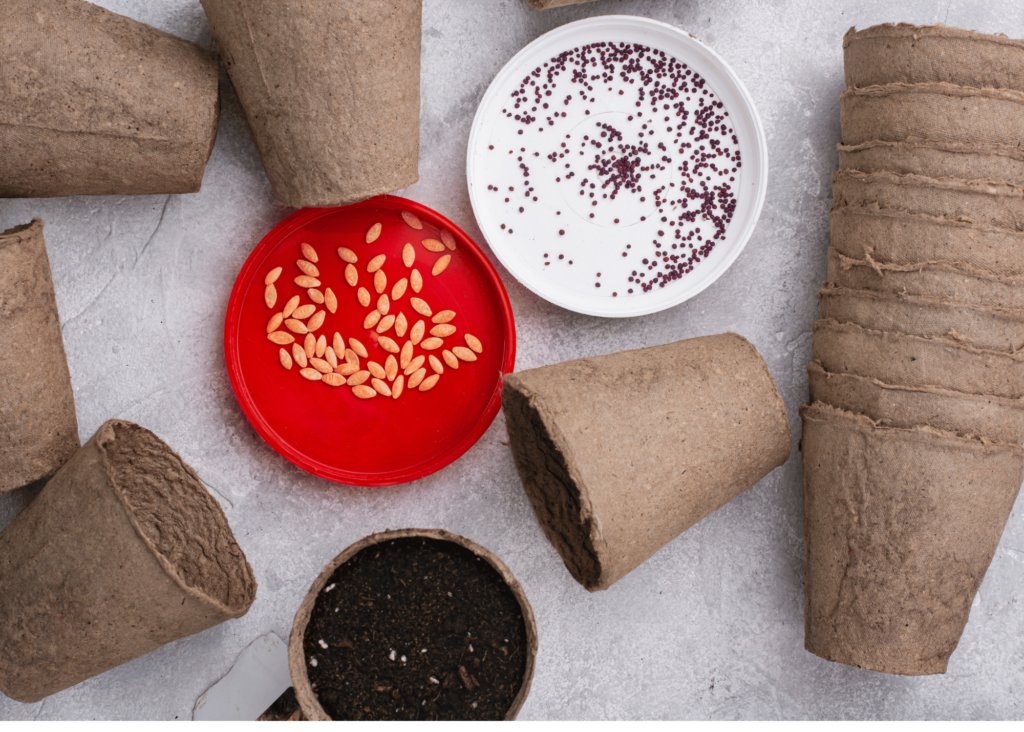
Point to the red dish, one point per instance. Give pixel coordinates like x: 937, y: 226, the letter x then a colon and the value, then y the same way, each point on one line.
x: 329, y: 431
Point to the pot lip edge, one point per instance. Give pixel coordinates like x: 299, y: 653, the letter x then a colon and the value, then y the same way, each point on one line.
x: 296, y: 657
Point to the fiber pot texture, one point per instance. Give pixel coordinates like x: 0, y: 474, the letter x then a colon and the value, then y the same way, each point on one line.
x: 331, y: 92
x: 123, y: 551
x: 311, y: 708
x: 896, y: 237
x: 940, y: 112
x: 916, y: 54
x: 900, y: 526
x: 38, y: 425
x: 936, y: 160
x: 985, y: 202
x: 944, y: 280
x: 620, y: 454
x: 895, y: 358
x: 95, y: 103
x: 903, y: 406
x: 997, y: 329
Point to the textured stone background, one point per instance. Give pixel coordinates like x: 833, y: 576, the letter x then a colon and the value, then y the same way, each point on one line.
x: 712, y: 626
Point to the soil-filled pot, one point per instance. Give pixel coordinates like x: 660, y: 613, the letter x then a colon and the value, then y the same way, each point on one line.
x: 936, y: 160
x: 619, y: 454
x: 331, y: 92
x: 940, y: 112
x: 900, y: 238
x: 38, y: 425
x: 917, y: 54
x: 94, y: 103
x: 413, y: 624
x: 124, y: 550
x: 899, y: 528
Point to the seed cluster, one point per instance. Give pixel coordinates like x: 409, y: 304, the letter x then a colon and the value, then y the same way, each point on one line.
x: 338, y: 363
x: 674, y: 148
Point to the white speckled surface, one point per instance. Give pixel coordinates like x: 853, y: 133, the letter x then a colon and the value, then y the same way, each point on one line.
x: 712, y: 626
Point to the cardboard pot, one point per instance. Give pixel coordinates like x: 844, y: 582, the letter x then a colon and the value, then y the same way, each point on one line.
x: 892, y: 405
x: 38, y: 425
x: 895, y: 358
x: 331, y: 92
x: 917, y: 54
x: 897, y: 237
x: 311, y: 708
x: 900, y: 526
x: 954, y: 283
x: 984, y: 202
x: 123, y: 551
x: 936, y: 160
x: 939, y: 112
x: 619, y: 454
x: 996, y: 329
x: 95, y: 103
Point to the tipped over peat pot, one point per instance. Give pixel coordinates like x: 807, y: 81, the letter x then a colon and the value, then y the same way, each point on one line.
x: 38, y: 423
x: 124, y: 550
x: 619, y: 454
x: 413, y: 624
x: 98, y: 104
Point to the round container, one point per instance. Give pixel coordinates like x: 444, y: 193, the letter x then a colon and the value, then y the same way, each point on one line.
x: 328, y: 431
x: 599, y: 244
x: 311, y: 708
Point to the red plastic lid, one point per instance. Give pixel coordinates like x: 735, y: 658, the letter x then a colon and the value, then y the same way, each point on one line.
x: 329, y: 431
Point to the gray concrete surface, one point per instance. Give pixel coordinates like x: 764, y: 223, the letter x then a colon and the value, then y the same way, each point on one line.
x: 712, y: 626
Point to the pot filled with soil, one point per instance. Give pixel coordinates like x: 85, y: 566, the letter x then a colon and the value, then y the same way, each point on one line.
x: 413, y: 624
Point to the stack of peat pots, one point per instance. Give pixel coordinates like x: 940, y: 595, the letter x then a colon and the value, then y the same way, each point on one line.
x: 912, y: 440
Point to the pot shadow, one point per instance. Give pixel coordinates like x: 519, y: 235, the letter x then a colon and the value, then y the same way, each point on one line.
x: 14, y: 502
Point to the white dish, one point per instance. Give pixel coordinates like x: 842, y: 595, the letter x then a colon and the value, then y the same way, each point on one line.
x: 597, y: 244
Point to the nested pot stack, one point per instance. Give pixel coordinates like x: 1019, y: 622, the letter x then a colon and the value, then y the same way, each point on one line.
x: 912, y: 441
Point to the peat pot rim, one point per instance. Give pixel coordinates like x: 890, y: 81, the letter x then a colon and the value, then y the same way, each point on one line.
x: 201, y: 504
x: 311, y: 708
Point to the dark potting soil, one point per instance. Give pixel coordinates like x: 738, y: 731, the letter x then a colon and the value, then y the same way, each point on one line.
x: 416, y: 628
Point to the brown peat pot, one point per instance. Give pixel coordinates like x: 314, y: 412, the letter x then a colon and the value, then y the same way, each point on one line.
x: 124, y: 550
x: 395, y: 671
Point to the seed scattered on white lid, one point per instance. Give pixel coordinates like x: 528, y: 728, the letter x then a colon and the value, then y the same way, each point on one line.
x: 323, y: 644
